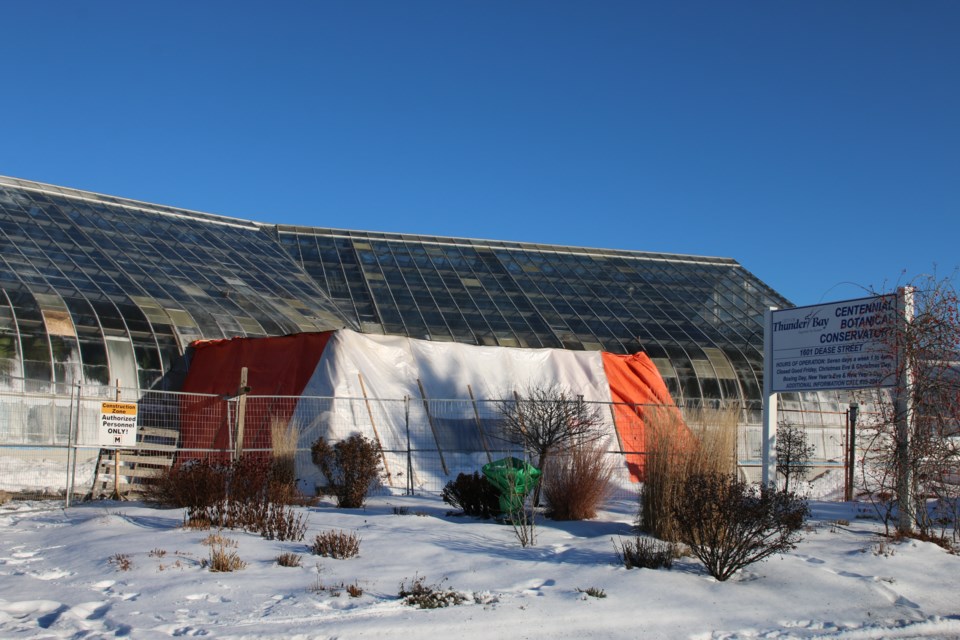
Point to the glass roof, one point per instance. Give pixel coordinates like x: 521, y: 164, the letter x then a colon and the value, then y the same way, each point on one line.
x: 94, y: 288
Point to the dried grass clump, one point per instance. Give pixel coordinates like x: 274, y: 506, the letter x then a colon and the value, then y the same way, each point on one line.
x: 646, y: 553
x: 677, y: 449
x: 578, y: 481
x: 336, y: 544
x: 121, y: 561
x: 284, y: 436
x: 223, y: 560
x: 288, y: 559
x: 222, y: 557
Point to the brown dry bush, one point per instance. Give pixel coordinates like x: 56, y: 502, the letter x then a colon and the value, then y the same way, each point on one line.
x: 288, y: 559
x: 578, y: 480
x: 705, y: 443
x: 336, y: 544
x: 194, y: 485
x: 238, y: 495
x: 350, y: 466
x: 728, y: 524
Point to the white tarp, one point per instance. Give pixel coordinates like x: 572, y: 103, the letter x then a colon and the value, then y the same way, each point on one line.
x: 390, y: 368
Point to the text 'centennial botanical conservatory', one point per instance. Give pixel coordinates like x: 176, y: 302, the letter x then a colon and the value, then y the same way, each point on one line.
x: 97, y: 288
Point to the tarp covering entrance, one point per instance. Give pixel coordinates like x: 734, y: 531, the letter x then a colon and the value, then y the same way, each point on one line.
x: 639, y: 391
x: 343, y: 367
x: 278, y: 366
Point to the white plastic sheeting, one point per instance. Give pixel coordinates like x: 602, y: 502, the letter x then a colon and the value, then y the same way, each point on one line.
x: 370, y: 375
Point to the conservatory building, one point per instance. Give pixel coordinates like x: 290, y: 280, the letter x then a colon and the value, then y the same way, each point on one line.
x: 97, y: 288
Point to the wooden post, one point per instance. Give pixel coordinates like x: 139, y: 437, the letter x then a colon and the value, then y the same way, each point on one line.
x: 426, y: 407
x: 476, y: 415
x: 116, y: 458
x: 376, y: 434
x: 616, y: 432
x: 241, y: 411
x: 523, y: 424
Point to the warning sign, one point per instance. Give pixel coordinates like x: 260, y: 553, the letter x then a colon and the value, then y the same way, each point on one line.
x: 118, y: 425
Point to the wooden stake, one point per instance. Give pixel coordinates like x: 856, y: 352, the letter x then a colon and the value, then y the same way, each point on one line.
x: 376, y: 434
x: 616, y: 431
x: 116, y: 458
x: 426, y: 407
x: 241, y: 411
x: 476, y: 415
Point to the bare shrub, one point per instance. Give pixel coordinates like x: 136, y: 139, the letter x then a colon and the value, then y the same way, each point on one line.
x: 429, y: 596
x: 350, y: 466
x: 909, y: 435
x: 793, y: 453
x: 473, y: 494
x: 524, y: 523
x: 705, y: 443
x: 288, y: 559
x: 354, y: 590
x: 194, y: 485
x: 545, y: 419
x: 646, y: 553
x: 240, y: 495
x: 578, y: 481
x: 728, y: 524
x: 336, y: 544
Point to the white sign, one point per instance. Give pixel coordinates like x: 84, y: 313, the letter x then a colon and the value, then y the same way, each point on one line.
x: 118, y: 425
x: 841, y: 345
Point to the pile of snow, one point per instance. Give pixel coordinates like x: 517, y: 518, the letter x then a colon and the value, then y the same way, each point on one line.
x: 112, y: 569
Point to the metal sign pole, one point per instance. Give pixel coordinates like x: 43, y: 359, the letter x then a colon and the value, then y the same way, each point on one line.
x: 769, y: 438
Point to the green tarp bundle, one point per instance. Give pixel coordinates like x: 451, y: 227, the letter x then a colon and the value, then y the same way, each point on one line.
x: 514, y: 478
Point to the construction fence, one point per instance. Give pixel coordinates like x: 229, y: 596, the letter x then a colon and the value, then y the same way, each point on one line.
x: 61, y: 446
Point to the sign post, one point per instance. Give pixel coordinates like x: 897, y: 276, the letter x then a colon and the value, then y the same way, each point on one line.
x: 769, y: 437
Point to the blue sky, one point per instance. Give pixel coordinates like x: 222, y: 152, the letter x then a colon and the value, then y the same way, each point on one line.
x: 816, y: 142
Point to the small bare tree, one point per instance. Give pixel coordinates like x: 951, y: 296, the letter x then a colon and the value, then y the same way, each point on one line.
x: 793, y: 453
x: 910, y: 439
x: 546, y: 419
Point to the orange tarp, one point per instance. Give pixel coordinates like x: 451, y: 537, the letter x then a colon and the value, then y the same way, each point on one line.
x: 637, y: 389
x: 279, y: 366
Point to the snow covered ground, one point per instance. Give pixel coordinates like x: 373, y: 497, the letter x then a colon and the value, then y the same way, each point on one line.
x: 62, y: 578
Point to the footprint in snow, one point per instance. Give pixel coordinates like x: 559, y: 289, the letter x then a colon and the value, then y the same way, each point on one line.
x: 206, y: 597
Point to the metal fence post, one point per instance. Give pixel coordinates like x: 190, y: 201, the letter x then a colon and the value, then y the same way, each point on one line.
x: 406, y: 420
x: 70, y: 452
